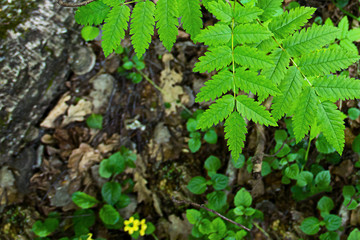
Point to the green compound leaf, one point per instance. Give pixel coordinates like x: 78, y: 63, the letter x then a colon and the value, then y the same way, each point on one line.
x: 250, y: 33
x: 270, y: 7
x: 217, y: 112
x: 191, y: 16
x: 326, y: 61
x: 246, y: 14
x: 111, y: 192
x: 304, y: 113
x: 221, y: 10
x: 142, y: 26
x: 252, y: 58
x: 93, y: 13
x: 290, y: 88
x: 243, y: 198
x: 219, y: 84
x: 310, y: 226
x: 344, y: 27
x: 113, y: 3
x: 334, y: 87
x: 308, y: 40
x: 331, y: 123
x: 114, y: 28
x: 252, y: 110
x: 277, y: 71
x: 250, y: 81
x: 235, y: 133
x: 83, y: 200
x: 166, y: 16
x: 287, y: 23
x: 109, y: 215
x: 215, y: 35
x: 197, y: 185
x: 215, y: 58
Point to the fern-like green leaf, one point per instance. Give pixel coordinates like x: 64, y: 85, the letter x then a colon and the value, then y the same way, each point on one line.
x: 326, y: 61
x: 235, y: 130
x: 290, y: 88
x: 215, y: 35
x: 287, y: 23
x: 217, y: 112
x: 93, y: 13
x: 113, y: 3
x: 270, y: 7
x: 308, y: 40
x: 246, y: 14
x: 252, y: 58
x: 250, y: 33
x: 191, y: 16
x: 331, y: 123
x: 216, y: 58
x: 221, y: 10
x: 335, y: 87
x: 305, y: 113
x: 219, y: 84
x: 258, y: 84
x: 166, y: 16
x: 114, y: 28
x: 142, y: 26
x: 277, y: 71
x: 252, y: 110
x: 344, y: 27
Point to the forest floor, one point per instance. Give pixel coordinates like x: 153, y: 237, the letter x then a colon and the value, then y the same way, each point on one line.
x: 149, y: 118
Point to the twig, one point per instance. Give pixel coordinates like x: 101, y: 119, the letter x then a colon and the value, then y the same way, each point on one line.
x: 210, y: 210
x: 73, y: 5
x: 262, y: 230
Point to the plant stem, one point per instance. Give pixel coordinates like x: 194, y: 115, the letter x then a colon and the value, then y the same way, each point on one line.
x: 262, y: 230
x: 307, y: 153
x: 154, y: 236
x: 346, y: 12
x: 210, y: 210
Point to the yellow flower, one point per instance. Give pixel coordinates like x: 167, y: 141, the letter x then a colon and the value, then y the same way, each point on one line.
x: 89, y: 236
x: 143, y: 227
x: 131, y: 225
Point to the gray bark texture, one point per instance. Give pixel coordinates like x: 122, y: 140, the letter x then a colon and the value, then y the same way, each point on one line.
x: 33, y: 68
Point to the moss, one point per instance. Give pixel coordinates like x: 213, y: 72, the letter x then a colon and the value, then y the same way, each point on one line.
x: 12, y: 13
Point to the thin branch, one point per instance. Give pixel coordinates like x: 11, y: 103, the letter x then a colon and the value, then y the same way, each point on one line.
x: 210, y: 210
x: 277, y: 152
x: 73, y: 5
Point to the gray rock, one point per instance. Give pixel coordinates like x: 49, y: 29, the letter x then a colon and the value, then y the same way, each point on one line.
x: 33, y: 69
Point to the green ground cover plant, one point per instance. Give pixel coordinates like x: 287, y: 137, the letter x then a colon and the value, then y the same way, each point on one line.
x: 267, y: 64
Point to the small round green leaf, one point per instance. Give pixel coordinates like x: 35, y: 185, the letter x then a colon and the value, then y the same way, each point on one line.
x: 218, y: 225
x: 128, y: 65
x: 89, y: 33
x: 216, y: 200
x: 83, y: 200
x: 354, y: 113
x: 205, y: 226
x: 332, y: 222
x: 191, y: 125
x: 43, y: 229
x: 194, y: 144
x: 292, y: 171
x: 94, y: 121
x: 124, y: 201
x: 220, y: 181
x: 323, y: 178
x: 356, y: 144
x: 211, y: 136
x: 239, y: 162
x: 310, y: 226
x: 212, y: 163
x: 197, y: 185
x: 304, y: 178
x: 325, y: 204
x: 193, y: 216
x: 111, y: 192
x: 243, y: 198
x: 109, y: 215
x: 150, y: 228
x: 354, y: 235
x: 329, y: 236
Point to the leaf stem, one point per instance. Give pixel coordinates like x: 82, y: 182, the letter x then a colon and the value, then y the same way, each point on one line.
x: 232, y: 53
